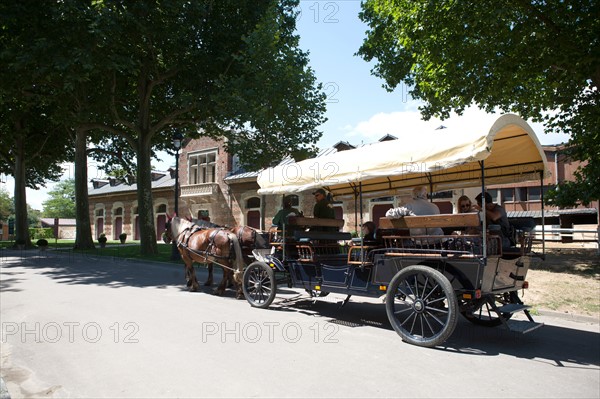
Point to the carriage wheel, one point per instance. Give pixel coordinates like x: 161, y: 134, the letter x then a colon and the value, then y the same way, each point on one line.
x: 259, y: 285
x: 482, y: 314
x: 421, y: 306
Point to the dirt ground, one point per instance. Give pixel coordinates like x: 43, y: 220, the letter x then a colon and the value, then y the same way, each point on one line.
x: 567, y: 280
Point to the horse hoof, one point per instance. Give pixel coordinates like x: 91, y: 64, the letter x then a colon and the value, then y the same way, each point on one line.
x: 188, y: 283
x: 218, y: 292
x: 240, y: 295
x: 208, y: 284
x: 194, y: 288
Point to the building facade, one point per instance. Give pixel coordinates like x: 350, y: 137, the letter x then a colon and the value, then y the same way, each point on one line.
x: 213, y: 187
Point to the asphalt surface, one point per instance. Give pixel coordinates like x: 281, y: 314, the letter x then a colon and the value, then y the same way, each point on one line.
x: 86, y: 327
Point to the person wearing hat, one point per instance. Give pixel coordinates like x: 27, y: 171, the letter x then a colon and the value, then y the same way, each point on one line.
x: 323, y: 208
x: 281, y: 216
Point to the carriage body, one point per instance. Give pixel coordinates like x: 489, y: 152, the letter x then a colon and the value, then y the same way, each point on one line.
x: 426, y: 280
x: 482, y: 286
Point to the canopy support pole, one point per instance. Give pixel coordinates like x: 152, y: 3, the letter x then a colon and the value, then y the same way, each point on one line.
x: 483, y: 212
x: 543, y: 215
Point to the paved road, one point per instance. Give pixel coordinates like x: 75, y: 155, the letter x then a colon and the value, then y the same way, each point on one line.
x: 97, y: 327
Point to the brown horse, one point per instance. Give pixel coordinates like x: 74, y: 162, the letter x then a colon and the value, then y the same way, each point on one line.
x: 196, y: 244
x: 248, y: 237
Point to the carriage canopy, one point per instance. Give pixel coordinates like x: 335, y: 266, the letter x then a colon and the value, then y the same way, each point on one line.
x: 441, y: 159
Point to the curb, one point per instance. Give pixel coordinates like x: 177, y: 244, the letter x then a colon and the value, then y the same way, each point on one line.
x: 568, y: 316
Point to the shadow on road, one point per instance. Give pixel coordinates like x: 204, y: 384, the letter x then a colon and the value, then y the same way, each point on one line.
x: 555, y: 345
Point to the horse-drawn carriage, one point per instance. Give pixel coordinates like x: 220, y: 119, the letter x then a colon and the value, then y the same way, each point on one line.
x: 426, y: 280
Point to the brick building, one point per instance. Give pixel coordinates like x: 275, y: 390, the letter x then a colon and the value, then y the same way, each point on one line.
x: 113, y: 205
x: 213, y: 187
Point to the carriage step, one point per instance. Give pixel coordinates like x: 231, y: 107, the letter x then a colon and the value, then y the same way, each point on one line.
x: 513, y: 308
x: 523, y: 326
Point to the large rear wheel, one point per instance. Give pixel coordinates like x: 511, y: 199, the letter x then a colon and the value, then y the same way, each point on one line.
x: 421, y: 306
x: 259, y: 285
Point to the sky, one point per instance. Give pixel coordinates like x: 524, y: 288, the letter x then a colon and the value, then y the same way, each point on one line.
x: 359, y: 109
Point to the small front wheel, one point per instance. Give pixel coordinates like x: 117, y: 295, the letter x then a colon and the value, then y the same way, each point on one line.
x: 259, y: 285
x: 421, y: 306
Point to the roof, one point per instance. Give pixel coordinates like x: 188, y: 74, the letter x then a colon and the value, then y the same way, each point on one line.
x: 242, y: 176
x: 61, y: 221
x: 442, y: 159
x: 161, y: 179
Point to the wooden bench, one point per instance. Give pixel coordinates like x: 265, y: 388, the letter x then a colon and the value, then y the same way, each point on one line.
x: 315, y: 222
x: 316, y: 245
x: 431, y: 245
x: 458, y: 221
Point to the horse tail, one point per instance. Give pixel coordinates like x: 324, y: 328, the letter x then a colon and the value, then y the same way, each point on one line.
x: 239, y: 257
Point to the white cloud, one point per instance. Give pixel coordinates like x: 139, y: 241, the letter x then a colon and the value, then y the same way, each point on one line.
x: 409, y: 124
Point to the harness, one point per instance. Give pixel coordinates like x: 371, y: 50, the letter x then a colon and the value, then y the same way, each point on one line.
x: 240, y: 236
x: 210, y: 250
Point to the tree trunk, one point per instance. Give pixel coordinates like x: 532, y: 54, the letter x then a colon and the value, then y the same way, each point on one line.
x: 83, y: 229
x: 21, y: 225
x: 145, y: 202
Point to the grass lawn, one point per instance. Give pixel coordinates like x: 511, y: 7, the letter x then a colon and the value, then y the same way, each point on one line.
x: 131, y: 249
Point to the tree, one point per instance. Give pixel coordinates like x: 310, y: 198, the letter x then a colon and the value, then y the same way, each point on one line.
x: 538, y: 59
x: 32, y: 144
x: 61, y: 202
x: 202, y: 68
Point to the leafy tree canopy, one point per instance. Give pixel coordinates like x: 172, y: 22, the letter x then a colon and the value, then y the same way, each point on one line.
x: 539, y: 59
x: 7, y: 205
x: 61, y: 203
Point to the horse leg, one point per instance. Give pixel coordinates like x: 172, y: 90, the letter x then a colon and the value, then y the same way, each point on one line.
x: 209, y: 280
x: 188, y: 277
x: 236, y: 277
x: 220, y: 290
x: 190, y: 274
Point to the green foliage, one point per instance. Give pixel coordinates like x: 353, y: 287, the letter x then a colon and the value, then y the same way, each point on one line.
x: 537, y: 59
x: 33, y: 216
x: 7, y: 205
x: 45, y: 232
x: 61, y: 201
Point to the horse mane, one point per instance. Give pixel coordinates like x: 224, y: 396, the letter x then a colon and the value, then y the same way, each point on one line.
x: 178, y: 225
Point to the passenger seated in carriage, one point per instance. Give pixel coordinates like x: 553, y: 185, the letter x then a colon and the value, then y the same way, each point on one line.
x: 282, y: 216
x: 421, y: 207
x: 323, y: 210
x: 497, y: 219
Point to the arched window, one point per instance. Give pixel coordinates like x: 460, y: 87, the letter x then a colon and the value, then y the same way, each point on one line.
x: 99, y: 222
x: 253, y: 212
x: 253, y: 202
x: 117, y: 222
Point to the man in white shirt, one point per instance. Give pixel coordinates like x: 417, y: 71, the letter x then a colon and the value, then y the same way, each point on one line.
x: 420, y: 206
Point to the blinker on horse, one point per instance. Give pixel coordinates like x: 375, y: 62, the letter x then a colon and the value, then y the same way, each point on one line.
x: 215, y: 245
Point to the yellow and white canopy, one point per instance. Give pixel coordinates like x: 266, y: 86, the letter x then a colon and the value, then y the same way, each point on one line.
x: 440, y: 159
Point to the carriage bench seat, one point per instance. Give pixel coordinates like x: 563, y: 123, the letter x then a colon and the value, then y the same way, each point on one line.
x: 460, y: 220
x: 310, y: 222
x: 322, y: 235
x: 428, y: 245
